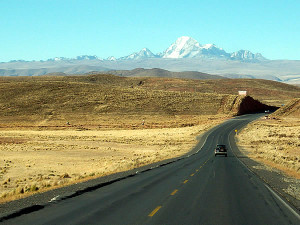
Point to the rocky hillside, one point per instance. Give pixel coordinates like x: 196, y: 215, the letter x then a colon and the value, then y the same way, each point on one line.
x: 292, y: 109
x: 239, y: 105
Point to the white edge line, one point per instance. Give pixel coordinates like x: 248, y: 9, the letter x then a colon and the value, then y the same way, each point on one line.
x: 283, y: 202
x: 270, y: 189
x: 205, y: 139
x: 54, y: 199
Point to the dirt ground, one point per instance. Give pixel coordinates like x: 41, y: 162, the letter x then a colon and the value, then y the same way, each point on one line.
x: 33, y: 160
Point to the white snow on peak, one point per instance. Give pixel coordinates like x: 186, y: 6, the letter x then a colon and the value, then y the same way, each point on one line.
x: 111, y: 58
x: 207, y: 46
x: 182, y: 47
x: 144, y: 53
x: 187, y: 47
x: 246, y: 55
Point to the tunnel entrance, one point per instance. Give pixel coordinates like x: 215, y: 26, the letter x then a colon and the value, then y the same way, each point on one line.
x: 249, y: 105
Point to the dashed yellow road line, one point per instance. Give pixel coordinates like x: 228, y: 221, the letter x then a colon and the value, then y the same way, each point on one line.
x: 154, y: 211
x: 174, y: 192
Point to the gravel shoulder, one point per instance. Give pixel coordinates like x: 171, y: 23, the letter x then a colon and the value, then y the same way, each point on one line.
x: 287, y: 187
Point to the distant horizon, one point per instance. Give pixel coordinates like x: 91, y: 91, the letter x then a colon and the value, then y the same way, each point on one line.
x: 106, y: 58
x: 34, y: 30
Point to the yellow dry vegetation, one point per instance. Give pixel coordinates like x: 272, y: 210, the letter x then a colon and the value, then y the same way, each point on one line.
x: 55, y: 131
x: 275, y: 142
x: 39, y: 160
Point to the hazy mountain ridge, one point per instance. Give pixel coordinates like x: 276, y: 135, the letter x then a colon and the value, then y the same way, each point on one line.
x: 183, y: 47
x: 157, y: 72
x: 187, y: 47
x: 185, y: 54
x: 280, y: 70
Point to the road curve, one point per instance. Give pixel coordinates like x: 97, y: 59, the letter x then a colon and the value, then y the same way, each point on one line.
x: 200, y: 189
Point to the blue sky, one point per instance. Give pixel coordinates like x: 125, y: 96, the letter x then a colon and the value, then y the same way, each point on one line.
x: 42, y: 29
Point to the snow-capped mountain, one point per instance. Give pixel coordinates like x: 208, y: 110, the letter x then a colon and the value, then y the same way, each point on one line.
x: 87, y: 57
x: 246, y: 55
x: 111, y: 58
x: 187, y: 47
x: 58, y: 59
x: 211, y: 50
x: 143, y: 54
x: 183, y: 47
x: 81, y: 57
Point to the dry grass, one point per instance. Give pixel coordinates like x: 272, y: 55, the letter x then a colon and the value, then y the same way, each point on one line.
x: 43, y: 102
x: 274, y: 142
x: 292, y: 109
x: 59, y: 130
x: 39, y: 160
x: 268, y: 92
x: 65, y: 89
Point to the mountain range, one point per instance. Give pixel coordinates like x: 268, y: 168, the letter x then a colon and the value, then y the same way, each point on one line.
x: 183, y: 47
x: 185, y: 54
x: 187, y: 47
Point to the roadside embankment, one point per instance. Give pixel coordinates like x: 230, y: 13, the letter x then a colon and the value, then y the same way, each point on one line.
x: 240, y: 105
x: 274, y: 141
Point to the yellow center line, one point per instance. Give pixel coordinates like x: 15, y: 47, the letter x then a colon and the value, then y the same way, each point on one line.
x: 174, y: 192
x: 154, y: 211
x: 192, y: 174
x: 185, y: 181
x: 197, y: 170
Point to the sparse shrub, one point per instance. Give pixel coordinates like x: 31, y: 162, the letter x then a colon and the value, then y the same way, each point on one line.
x: 282, y: 135
x: 20, y: 190
x: 65, y: 175
x: 34, y: 187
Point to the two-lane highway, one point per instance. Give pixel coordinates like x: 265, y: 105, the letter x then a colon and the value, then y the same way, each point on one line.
x: 200, y: 189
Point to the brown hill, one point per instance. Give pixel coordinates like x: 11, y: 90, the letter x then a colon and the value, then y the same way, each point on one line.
x: 292, y: 109
x: 266, y: 91
x: 85, y: 99
x: 157, y: 72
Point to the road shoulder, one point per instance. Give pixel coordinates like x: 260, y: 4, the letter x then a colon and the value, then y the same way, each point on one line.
x: 274, y: 178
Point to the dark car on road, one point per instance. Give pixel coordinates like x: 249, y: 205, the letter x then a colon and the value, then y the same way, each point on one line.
x: 221, y: 150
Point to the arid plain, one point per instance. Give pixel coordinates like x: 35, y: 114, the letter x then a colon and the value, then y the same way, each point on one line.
x: 60, y: 130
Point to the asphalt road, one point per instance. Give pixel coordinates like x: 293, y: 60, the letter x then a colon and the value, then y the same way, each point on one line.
x: 200, y: 189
